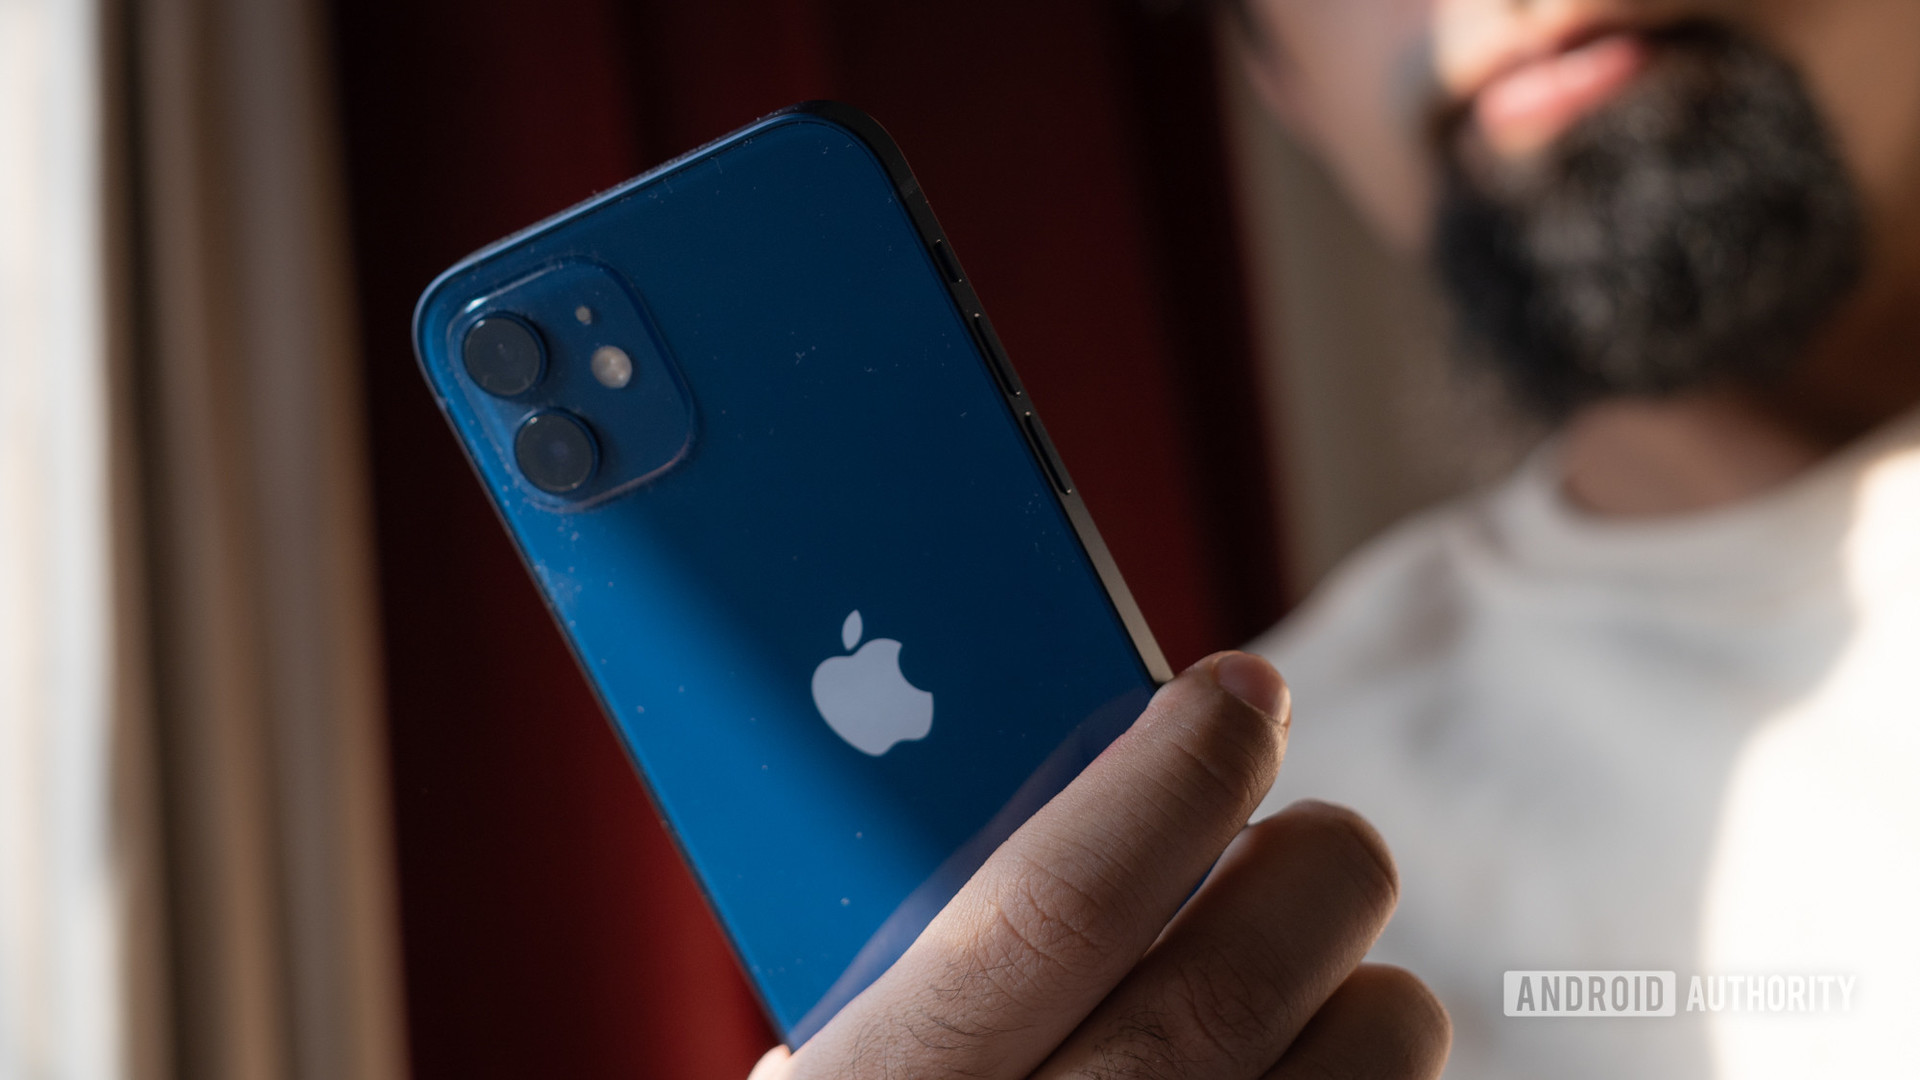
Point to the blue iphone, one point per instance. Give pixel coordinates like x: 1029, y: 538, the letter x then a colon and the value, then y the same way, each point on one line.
x: 795, y: 514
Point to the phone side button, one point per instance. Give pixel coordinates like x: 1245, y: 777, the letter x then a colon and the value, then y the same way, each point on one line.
x: 1044, y: 447
x: 989, y: 343
x: 948, y: 264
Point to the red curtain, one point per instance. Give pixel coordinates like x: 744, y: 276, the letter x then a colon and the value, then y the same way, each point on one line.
x: 1072, y: 149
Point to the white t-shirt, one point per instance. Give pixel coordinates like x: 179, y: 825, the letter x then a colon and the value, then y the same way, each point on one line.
x: 1687, y: 745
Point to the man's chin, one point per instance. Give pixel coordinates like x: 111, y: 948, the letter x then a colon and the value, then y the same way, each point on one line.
x: 1695, y: 229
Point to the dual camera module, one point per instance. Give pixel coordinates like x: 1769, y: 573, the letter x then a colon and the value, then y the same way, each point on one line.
x: 566, y: 371
x: 505, y: 356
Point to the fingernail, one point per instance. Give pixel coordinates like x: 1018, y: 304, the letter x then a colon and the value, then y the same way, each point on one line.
x: 1250, y: 679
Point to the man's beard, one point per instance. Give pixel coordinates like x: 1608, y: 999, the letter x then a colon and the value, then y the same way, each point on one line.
x: 1697, y: 232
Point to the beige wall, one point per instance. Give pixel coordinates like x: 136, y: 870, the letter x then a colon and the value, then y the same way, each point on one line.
x: 1373, y: 418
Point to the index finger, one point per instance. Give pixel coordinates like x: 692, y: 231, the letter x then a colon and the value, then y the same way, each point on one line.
x: 1067, y: 906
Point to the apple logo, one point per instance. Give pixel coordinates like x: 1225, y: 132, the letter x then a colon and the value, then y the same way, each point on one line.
x: 864, y: 697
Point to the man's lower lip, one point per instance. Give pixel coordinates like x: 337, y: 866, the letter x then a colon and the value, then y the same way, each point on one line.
x: 1529, y: 106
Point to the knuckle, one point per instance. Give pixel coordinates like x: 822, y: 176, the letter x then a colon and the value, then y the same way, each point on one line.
x: 911, y: 1042
x: 1207, y: 1016
x: 1341, y: 840
x: 1423, y: 1025
x: 1218, y: 1009
x: 1044, y: 928
x: 1415, y: 1026
x: 956, y: 1024
x: 1142, y: 1045
x: 1223, y: 750
x: 1211, y: 782
x: 1039, y: 932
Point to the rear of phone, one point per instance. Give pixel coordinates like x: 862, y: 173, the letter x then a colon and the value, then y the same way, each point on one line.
x: 750, y: 431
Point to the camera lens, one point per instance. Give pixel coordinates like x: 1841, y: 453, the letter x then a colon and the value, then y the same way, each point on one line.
x: 556, y: 452
x: 504, y: 355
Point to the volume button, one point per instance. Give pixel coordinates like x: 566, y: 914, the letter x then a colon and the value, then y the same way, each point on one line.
x: 948, y: 264
x: 989, y: 343
x: 1056, y: 469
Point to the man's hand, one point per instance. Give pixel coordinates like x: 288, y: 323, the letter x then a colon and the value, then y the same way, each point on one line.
x: 1076, y: 951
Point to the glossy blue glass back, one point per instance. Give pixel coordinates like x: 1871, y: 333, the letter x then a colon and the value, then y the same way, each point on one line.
x: 813, y: 428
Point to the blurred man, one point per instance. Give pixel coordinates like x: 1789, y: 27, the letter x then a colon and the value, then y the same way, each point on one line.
x: 1648, y: 704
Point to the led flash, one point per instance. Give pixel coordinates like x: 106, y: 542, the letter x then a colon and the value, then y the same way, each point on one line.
x: 584, y: 314
x: 612, y: 366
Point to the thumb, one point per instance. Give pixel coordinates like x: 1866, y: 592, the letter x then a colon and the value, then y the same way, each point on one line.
x: 772, y: 1065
